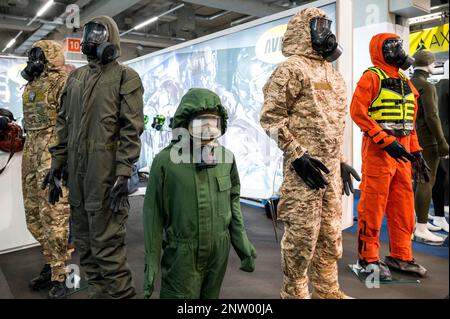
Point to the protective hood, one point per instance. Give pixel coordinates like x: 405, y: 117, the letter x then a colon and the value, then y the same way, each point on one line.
x: 297, y: 39
x: 113, y: 29
x: 376, y: 53
x: 54, y: 54
x: 197, y: 101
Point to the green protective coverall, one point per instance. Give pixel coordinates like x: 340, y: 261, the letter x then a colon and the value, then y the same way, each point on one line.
x: 197, y: 210
x: 98, y: 129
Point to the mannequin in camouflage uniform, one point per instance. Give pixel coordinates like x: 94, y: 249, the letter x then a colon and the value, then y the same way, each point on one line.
x: 305, y: 101
x: 48, y: 224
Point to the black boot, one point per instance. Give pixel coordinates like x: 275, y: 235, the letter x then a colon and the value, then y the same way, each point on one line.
x: 406, y: 266
x: 43, y: 280
x: 378, y: 266
x: 58, y: 290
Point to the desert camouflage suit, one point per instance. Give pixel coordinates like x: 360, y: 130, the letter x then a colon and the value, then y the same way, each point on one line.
x: 48, y: 224
x: 305, y: 100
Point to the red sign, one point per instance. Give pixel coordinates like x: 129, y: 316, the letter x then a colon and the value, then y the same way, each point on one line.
x: 73, y: 45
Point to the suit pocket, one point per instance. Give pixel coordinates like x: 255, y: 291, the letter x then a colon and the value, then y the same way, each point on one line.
x: 224, y: 195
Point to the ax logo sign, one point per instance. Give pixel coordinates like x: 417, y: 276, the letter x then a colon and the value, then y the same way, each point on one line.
x: 435, y: 39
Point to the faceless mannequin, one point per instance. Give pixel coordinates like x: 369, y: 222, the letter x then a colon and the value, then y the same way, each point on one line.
x: 430, y: 69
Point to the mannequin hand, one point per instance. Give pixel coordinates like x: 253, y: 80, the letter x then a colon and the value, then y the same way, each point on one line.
x: 53, y: 178
x: 119, y: 194
x: 421, y: 170
x: 443, y: 149
x: 309, y: 169
x: 397, y: 151
x: 346, y: 173
x: 248, y: 264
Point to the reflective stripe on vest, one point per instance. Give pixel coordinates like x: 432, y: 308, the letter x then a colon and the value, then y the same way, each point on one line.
x: 393, y: 108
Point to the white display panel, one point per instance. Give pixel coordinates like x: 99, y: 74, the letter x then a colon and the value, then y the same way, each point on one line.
x: 235, y: 64
x: 12, y: 83
x: 13, y: 230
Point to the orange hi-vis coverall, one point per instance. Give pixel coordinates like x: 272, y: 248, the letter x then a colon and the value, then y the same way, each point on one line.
x: 386, y: 184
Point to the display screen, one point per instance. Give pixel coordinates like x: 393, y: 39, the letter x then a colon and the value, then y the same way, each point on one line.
x: 12, y: 84
x: 236, y: 67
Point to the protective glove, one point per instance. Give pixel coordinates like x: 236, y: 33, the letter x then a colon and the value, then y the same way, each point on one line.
x: 248, y: 263
x: 119, y: 194
x: 346, y: 173
x: 65, y: 175
x: 53, y: 178
x: 309, y: 169
x: 421, y: 170
x: 443, y: 149
x: 397, y: 151
x: 3, y: 122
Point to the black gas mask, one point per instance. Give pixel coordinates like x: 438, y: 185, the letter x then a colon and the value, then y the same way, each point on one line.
x: 35, y: 64
x: 323, y: 40
x: 395, y: 55
x: 95, y: 43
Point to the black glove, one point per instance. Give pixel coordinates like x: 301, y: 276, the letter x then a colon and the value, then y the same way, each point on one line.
x: 3, y: 122
x: 420, y: 168
x: 308, y: 168
x: 65, y: 175
x: 53, y: 178
x: 346, y: 173
x: 119, y: 194
x: 397, y: 151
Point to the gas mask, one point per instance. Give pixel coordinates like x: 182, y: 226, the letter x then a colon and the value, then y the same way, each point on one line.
x: 205, y: 129
x: 323, y: 40
x: 95, y: 43
x: 395, y: 55
x: 35, y: 64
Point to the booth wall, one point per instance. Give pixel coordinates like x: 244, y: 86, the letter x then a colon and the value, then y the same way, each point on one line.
x: 236, y: 65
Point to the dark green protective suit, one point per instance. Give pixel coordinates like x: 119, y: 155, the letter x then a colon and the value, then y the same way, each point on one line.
x: 199, y: 213
x: 98, y: 131
x: 431, y: 138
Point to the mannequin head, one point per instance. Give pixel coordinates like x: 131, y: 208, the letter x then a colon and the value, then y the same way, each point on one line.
x: 424, y: 60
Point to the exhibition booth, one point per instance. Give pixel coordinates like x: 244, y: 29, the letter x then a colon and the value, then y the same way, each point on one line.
x: 234, y: 63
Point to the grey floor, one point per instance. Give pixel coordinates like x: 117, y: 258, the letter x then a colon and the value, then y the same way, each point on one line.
x: 18, y: 267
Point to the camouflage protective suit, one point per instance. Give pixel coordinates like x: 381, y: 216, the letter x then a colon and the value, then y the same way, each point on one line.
x: 305, y: 101
x: 98, y: 130
x: 48, y: 224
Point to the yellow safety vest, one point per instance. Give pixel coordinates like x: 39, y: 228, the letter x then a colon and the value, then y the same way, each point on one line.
x: 393, y: 108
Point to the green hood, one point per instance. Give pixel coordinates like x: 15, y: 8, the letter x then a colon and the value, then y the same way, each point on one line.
x: 197, y: 101
x: 111, y: 25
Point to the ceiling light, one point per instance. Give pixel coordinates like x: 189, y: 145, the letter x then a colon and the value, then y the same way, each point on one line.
x: 143, y: 24
x: 425, y: 18
x: 154, y: 19
x: 45, y: 8
x: 10, y: 43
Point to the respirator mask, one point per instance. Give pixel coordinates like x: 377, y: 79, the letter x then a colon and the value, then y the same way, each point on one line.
x: 205, y: 129
x: 95, y: 43
x: 395, y: 55
x: 323, y: 40
x: 35, y: 64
